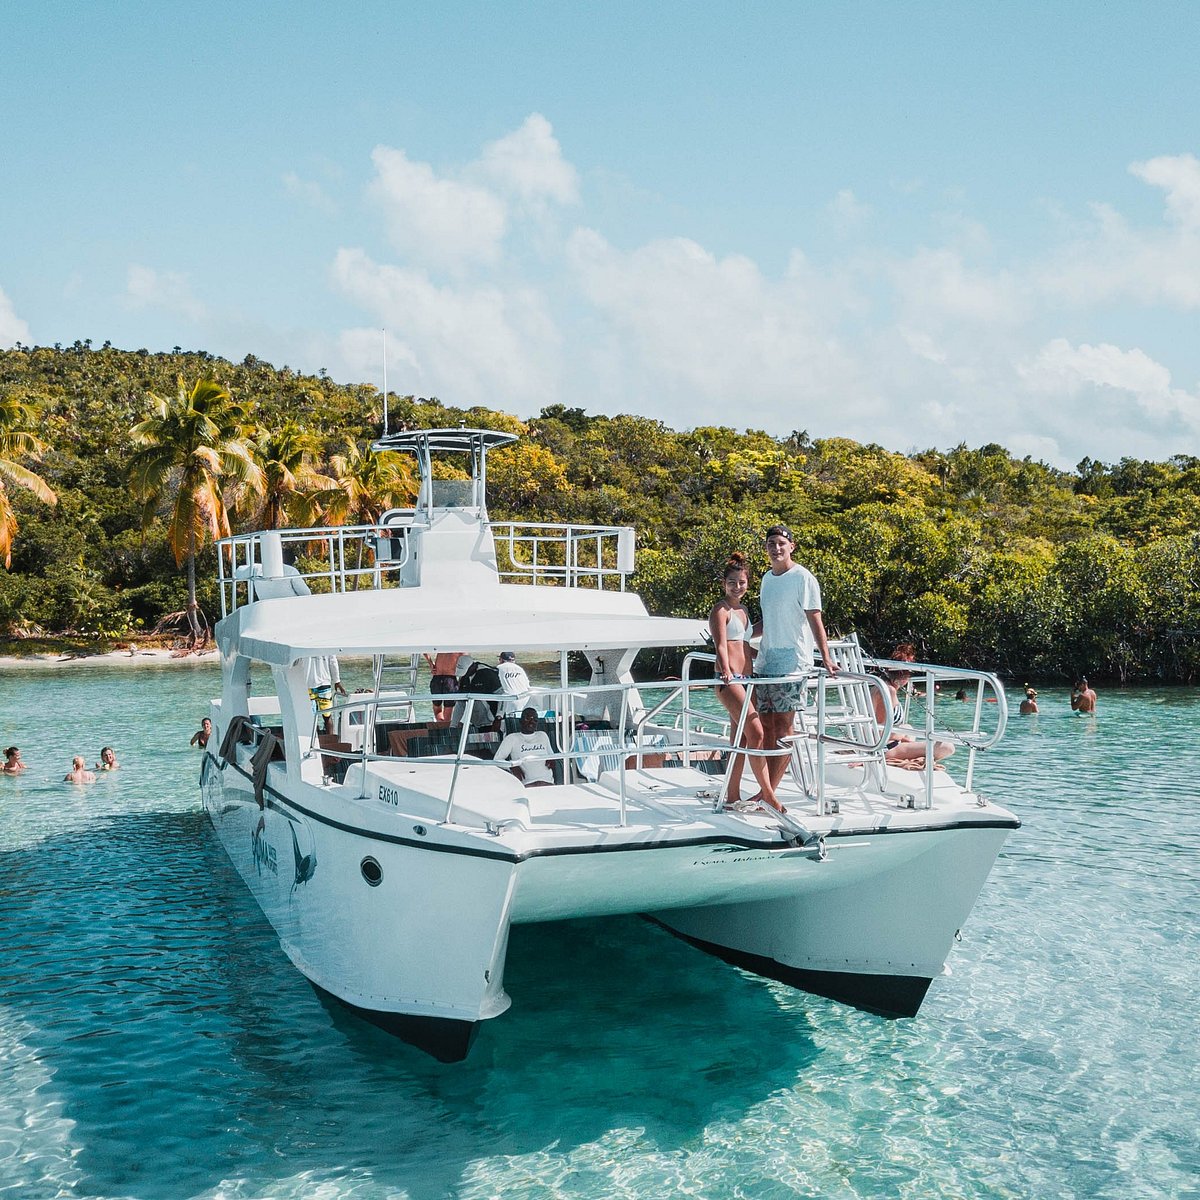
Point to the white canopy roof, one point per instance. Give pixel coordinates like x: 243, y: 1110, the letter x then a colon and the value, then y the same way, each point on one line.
x: 400, y: 621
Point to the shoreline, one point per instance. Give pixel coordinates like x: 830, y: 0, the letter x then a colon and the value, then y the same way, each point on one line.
x: 109, y: 658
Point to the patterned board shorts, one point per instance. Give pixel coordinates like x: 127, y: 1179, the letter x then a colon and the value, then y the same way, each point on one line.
x: 783, y: 697
x: 322, y: 698
x: 443, y: 685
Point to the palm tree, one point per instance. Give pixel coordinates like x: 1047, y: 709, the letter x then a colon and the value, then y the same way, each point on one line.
x: 17, y: 440
x: 366, y: 485
x: 190, y: 448
x: 291, y: 485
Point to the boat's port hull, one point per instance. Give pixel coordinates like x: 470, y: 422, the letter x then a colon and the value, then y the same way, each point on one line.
x: 443, y: 1038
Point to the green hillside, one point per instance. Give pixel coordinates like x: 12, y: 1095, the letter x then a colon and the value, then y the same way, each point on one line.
x: 979, y: 558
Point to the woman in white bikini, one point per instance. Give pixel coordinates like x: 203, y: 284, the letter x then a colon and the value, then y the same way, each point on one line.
x: 729, y: 623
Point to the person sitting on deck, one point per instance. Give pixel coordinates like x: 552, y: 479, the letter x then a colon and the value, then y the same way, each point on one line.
x: 904, y: 750
x: 528, y: 750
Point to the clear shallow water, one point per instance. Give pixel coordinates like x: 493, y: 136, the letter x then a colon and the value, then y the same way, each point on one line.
x: 154, y: 1042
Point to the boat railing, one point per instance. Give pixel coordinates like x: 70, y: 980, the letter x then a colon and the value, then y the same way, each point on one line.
x: 930, y: 689
x: 284, y: 562
x: 838, y: 715
x: 271, y: 563
x: 587, y: 556
x: 836, y: 726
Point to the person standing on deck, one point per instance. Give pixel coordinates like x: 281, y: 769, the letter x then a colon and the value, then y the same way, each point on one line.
x: 324, y: 679
x: 513, y: 682
x: 729, y: 624
x: 792, y: 629
x: 443, y: 682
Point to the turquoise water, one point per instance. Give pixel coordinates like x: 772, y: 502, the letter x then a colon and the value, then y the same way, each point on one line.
x: 154, y: 1042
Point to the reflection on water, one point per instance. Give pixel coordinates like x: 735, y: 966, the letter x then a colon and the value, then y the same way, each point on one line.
x: 155, y: 1042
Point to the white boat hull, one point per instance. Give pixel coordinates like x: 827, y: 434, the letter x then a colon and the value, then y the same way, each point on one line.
x: 872, y: 926
x: 422, y: 949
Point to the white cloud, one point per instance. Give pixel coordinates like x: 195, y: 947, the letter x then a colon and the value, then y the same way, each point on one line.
x: 1179, y: 177
x: 435, y: 220
x: 309, y: 192
x: 12, y: 328
x: 951, y: 342
x: 469, y: 345
x: 712, y: 337
x: 1112, y: 260
x: 1066, y: 370
x: 849, y: 214
x: 528, y: 162
x: 935, y: 287
x: 167, y: 290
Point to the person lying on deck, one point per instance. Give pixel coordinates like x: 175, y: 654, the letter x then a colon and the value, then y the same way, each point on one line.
x: 904, y: 750
x: 528, y: 749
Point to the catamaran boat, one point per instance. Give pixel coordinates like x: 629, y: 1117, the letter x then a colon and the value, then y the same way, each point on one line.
x: 392, y: 854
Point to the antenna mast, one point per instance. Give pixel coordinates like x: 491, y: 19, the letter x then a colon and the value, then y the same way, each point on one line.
x: 385, y: 392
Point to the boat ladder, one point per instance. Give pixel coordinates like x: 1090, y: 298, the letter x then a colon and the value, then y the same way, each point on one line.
x: 396, y: 678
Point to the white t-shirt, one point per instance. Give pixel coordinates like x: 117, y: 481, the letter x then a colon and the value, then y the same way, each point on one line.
x: 788, y: 645
x: 528, y: 751
x: 323, y: 671
x: 515, y: 684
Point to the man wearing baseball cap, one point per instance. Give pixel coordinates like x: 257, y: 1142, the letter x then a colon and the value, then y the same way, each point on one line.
x: 792, y: 631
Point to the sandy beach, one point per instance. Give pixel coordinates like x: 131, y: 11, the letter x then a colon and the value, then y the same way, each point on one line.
x: 111, y: 658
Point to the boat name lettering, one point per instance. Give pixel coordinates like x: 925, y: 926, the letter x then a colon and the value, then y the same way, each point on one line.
x: 389, y: 795
x: 263, y: 852
x: 723, y: 856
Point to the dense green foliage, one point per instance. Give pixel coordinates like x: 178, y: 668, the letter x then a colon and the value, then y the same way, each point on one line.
x: 977, y: 557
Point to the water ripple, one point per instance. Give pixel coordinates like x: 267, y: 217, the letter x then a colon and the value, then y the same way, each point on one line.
x: 155, y: 1043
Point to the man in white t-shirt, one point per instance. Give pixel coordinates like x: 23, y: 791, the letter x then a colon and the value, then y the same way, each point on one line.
x: 792, y: 629
x: 514, y: 683
x: 528, y: 751
x: 324, y: 679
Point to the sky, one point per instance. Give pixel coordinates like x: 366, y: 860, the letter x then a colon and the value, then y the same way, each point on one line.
x: 917, y: 224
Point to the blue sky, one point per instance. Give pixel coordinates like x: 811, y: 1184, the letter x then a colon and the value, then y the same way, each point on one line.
x: 917, y: 224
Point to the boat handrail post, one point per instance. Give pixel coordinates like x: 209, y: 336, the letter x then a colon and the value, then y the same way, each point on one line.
x: 735, y: 742
x: 462, y: 749
x: 821, y: 725
x: 621, y: 743
x: 930, y: 740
